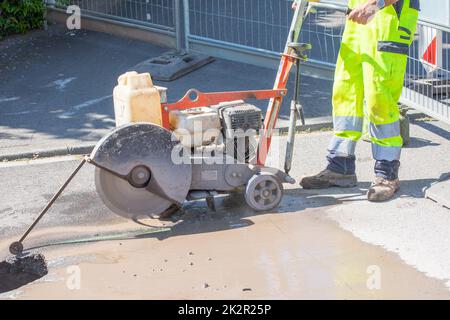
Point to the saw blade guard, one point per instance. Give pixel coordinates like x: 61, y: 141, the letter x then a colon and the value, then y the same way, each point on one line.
x: 136, y: 174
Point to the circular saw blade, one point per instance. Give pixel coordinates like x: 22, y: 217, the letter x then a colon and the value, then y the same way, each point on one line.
x: 124, y: 199
x: 132, y: 146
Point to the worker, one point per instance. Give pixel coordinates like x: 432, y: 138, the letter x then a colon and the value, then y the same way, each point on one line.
x: 370, y: 67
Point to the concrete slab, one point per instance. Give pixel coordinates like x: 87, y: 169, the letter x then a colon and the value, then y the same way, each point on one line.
x: 411, y: 226
x: 440, y: 192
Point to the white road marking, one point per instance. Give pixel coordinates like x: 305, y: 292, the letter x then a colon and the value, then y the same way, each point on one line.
x: 61, y: 84
x: 81, y: 106
x: 9, y: 99
x: 27, y: 162
x: 18, y: 113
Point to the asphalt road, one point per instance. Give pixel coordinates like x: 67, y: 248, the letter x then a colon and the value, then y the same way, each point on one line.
x: 57, y: 86
x: 30, y: 187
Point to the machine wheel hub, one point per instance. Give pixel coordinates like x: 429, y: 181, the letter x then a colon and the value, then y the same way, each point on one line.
x: 264, y: 192
x: 140, y: 176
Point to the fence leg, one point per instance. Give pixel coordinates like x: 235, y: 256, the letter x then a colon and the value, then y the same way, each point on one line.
x: 186, y: 24
x: 50, y: 3
x: 178, y: 17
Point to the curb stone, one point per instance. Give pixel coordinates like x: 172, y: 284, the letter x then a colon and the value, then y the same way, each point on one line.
x: 87, y: 148
x: 48, y: 153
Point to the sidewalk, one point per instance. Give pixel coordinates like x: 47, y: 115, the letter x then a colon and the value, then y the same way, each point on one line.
x: 56, y: 88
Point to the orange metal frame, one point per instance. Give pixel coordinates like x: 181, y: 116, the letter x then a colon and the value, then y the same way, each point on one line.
x: 273, y: 111
x: 196, y: 99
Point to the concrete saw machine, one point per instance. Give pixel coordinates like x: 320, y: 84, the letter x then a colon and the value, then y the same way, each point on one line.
x: 162, y: 154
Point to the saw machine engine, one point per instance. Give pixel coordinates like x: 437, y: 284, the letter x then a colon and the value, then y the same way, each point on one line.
x: 230, y: 127
x: 241, y: 123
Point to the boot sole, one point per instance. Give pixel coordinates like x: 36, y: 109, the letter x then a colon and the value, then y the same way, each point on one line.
x: 381, y: 199
x: 341, y: 183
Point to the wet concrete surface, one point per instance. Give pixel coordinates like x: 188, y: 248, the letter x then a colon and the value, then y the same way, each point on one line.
x: 247, y: 256
x: 328, y: 244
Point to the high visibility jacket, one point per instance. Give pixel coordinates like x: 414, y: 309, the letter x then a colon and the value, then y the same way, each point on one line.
x: 371, y: 67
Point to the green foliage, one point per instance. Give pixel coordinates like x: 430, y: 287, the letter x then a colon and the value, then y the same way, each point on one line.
x: 19, y: 16
x: 63, y: 3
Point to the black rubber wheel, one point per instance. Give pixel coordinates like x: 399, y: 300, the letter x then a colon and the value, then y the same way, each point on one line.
x: 16, y: 248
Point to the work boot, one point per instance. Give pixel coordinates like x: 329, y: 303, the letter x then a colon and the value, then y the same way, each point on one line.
x: 382, y: 189
x: 327, y: 179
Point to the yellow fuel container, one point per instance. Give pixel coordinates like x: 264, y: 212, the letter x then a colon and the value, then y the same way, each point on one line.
x: 136, y: 99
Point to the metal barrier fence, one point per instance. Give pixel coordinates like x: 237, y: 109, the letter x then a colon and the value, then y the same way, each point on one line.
x: 259, y: 28
x: 251, y: 30
x: 429, y: 92
x: 157, y: 14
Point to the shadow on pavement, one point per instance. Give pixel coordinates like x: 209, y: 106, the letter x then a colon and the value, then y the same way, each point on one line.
x: 420, y: 143
x: 433, y: 127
